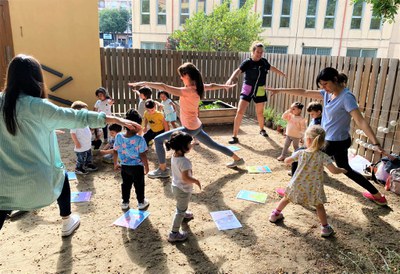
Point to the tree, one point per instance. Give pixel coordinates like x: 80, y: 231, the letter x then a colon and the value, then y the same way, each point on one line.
x: 114, y: 20
x: 222, y: 30
x: 386, y: 9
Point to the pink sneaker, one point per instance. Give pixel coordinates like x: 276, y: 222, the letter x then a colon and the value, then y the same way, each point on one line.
x: 381, y: 201
x: 280, y: 191
x: 273, y: 218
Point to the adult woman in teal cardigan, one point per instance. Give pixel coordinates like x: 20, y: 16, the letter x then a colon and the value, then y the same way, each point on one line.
x: 32, y: 173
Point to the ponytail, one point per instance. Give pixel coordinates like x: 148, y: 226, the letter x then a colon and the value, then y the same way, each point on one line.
x: 317, y: 133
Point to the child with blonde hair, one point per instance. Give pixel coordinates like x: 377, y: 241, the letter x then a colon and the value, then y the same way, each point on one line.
x: 296, y: 125
x: 82, y: 138
x: 182, y: 181
x: 306, y: 186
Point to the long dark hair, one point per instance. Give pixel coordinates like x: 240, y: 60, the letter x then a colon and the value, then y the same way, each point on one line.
x: 24, y: 76
x: 179, y: 141
x: 331, y: 74
x: 194, y: 74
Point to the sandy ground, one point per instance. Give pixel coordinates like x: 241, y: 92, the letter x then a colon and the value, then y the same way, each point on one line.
x: 366, y: 236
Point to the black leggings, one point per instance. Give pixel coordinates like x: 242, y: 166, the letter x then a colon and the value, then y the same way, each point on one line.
x: 338, y: 150
x: 64, y: 202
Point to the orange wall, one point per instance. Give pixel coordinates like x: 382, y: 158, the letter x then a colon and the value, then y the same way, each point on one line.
x: 63, y: 35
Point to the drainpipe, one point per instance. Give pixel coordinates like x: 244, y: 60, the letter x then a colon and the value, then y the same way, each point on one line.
x: 341, y: 33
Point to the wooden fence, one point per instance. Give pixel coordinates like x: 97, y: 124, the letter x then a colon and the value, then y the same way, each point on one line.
x: 375, y: 82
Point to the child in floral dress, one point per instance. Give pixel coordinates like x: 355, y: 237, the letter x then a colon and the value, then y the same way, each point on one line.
x: 306, y: 186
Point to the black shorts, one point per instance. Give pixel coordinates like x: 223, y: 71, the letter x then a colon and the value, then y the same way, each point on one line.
x: 256, y: 99
x: 247, y: 94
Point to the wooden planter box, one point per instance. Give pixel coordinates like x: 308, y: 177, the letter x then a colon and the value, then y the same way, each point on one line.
x: 224, y: 115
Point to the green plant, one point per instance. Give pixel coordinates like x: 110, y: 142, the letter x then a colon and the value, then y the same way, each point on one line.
x: 279, y: 121
x: 269, y: 114
x: 214, y: 105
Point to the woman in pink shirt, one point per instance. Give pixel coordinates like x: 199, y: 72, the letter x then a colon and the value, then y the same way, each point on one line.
x: 190, y: 96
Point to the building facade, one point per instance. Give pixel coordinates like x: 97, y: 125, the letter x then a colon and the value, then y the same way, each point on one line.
x: 322, y: 27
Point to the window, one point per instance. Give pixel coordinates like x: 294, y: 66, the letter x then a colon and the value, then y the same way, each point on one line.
x: 152, y: 45
x: 201, y: 6
x: 285, y: 14
x: 316, y: 51
x: 241, y: 3
x: 145, y: 12
x: 376, y: 22
x: 276, y: 49
x: 311, y: 14
x: 101, y: 4
x: 357, y: 15
x: 267, y: 14
x: 161, y: 12
x: 329, y: 22
x: 356, y: 52
x: 184, y: 14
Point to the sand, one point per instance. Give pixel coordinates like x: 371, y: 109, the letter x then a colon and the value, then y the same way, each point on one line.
x: 32, y: 243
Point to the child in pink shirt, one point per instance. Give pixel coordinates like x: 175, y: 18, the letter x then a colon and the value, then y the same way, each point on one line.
x: 190, y: 96
x: 296, y: 126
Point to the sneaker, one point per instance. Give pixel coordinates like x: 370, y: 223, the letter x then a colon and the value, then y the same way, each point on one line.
x: 326, y: 231
x: 15, y: 213
x: 381, y: 201
x: 273, y: 218
x: 158, y: 173
x: 264, y: 133
x: 280, y: 191
x: 124, y: 206
x: 236, y: 163
x: 91, y: 167
x: 81, y: 171
x: 290, y: 173
x: 70, y: 224
x: 188, y: 216
x: 177, y: 236
x: 234, y: 140
x: 143, y: 205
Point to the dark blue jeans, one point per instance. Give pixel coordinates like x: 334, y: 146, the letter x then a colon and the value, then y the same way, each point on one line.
x: 64, y: 202
x: 83, y: 158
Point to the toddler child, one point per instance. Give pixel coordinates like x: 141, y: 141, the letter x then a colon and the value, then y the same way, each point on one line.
x: 295, y: 128
x: 144, y: 94
x: 306, y: 186
x: 156, y: 120
x: 182, y: 182
x: 131, y: 149
x: 169, y: 108
x: 108, y: 150
x: 103, y: 105
x: 82, y: 138
x: 315, y: 111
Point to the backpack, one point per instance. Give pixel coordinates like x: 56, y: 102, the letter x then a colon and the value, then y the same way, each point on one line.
x: 381, y: 169
x: 393, y: 182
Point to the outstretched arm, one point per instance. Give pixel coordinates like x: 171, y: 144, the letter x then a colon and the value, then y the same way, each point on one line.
x: 335, y: 170
x: 170, y: 89
x: 214, y: 86
x: 275, y: 70
x: 234, y: 77
x: 314, y: 94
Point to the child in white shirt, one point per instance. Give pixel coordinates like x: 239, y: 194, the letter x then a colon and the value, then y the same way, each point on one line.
x: 82, y: 138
